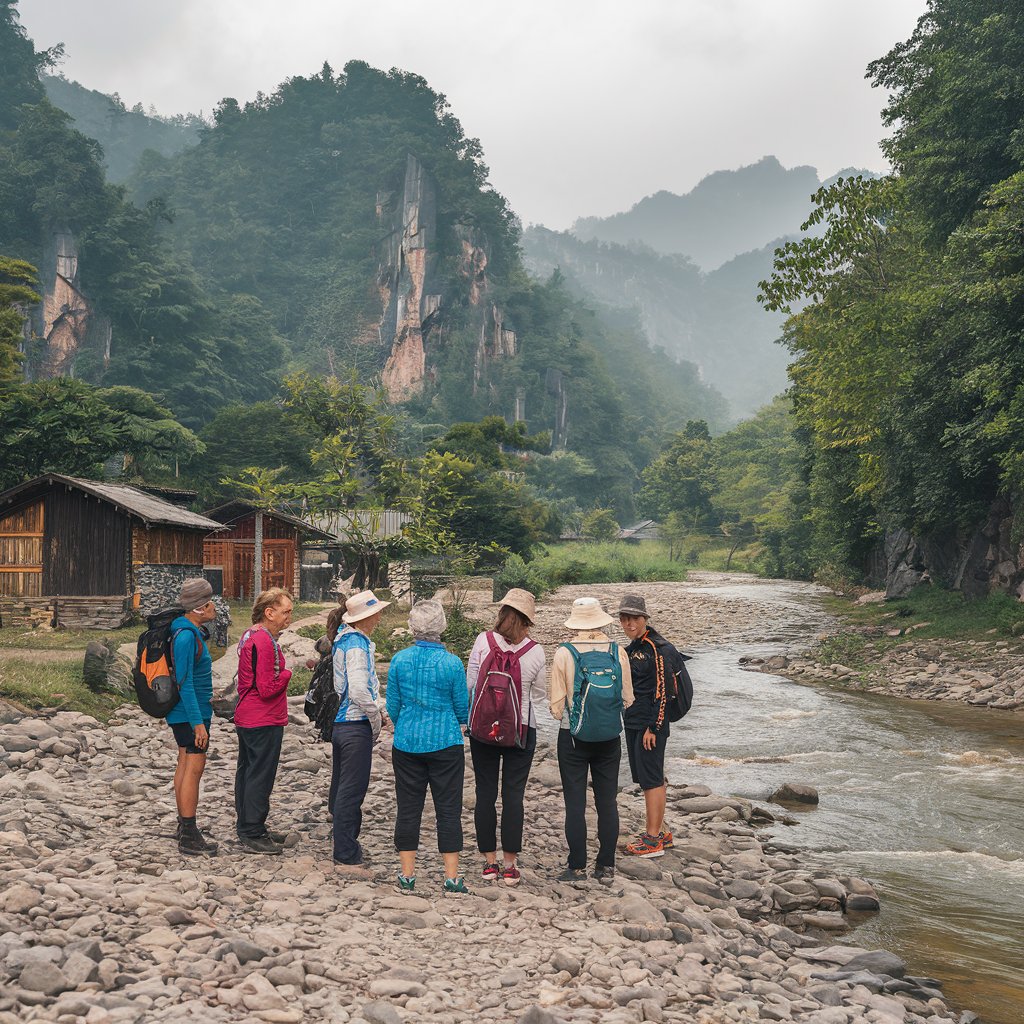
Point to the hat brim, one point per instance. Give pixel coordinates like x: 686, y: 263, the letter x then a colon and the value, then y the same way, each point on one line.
x: 634, y: 613
x: 591, y: 621
x: 529, y: 616
x: 350, y: 617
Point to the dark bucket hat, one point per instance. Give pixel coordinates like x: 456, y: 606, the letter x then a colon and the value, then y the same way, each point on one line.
x: 633, y: 604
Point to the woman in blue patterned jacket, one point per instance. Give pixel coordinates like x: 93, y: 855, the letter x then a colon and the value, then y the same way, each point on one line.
x: 428, y: 701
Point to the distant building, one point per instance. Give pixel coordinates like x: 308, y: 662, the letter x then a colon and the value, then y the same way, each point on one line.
x: 86, y: 552
x: 229, y: 556
x: 646, y: 529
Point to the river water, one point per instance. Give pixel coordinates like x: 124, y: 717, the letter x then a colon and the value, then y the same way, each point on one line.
x: 923, y: 799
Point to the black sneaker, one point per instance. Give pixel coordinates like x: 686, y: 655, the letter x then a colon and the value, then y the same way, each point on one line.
x: 260, y: 844
x: 603, y: 874
x: 276, y: 837
x: 572, y: 875
x: 192, y: 842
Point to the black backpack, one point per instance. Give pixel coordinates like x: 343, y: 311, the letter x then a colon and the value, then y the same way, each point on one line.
x: 153, y: 674
x: 678, y: 685
x: 322, y: 700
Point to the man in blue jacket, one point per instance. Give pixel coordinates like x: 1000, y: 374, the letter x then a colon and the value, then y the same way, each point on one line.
x: 190, y: 718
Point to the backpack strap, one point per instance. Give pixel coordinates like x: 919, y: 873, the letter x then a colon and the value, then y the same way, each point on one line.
x: 174, y: 636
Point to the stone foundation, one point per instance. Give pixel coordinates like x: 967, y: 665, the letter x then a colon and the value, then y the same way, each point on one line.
x: 158, y: 585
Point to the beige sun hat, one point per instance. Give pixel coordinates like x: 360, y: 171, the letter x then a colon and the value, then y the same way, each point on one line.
x: 523, y: 601
x: 587, y: 613
x: 362, y: 606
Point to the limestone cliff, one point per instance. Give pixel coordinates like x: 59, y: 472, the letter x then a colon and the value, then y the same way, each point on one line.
x: 413, y: 298
x: 65, y: 319
x: 407, y: 270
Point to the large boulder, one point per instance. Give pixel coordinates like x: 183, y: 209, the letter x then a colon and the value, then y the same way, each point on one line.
x: 794, y: 793
x: 105, y: 670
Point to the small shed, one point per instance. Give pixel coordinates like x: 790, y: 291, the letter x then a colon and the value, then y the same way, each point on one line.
x: 86, y: 552
x: 646, y: 529
x: 231, y: 554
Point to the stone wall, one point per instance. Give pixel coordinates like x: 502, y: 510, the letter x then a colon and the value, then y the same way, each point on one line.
x: 158, y: 585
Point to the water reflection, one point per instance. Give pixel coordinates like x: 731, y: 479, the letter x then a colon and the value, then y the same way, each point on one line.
x: 923, y: 798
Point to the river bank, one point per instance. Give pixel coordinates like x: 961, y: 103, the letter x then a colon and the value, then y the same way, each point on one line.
x: 890, y: 656
x: 102, y: 920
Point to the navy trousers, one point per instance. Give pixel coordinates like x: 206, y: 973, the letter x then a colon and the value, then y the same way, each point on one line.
x: 352, y: 744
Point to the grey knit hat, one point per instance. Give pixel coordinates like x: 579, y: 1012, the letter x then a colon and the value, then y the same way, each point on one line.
x: 427, y: 620
x: 194, y: 593
x: 633, y: 604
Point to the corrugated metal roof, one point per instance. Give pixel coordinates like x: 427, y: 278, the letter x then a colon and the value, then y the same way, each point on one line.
x: 232, y: 511
x: 150, y: 509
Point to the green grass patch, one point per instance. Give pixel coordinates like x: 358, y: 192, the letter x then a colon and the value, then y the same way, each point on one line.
x: 22, y: 638
x: 938, y: 613
x: 606, y: 562
x: 54, y: 684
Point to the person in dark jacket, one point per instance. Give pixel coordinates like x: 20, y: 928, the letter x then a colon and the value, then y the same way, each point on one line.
x: 191, y: 717
x: 646, y: 723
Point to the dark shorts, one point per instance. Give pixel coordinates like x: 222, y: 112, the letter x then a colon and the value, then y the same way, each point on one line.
x: 185, y: 736
x: 647, y: 767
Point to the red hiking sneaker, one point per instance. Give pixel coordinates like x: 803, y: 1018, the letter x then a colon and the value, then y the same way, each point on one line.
x: 666, y: 840
x: 490, y: 873
x: 511, y: 876
x: 646, y: 845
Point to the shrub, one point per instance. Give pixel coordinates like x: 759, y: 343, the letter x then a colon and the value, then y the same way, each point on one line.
x: 515, y: 573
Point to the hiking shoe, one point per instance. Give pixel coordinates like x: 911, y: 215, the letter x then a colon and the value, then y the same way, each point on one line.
x: 572, y: 875
x: 602, y: 874
x: 511, y: 876
x: 405, y: 885
x: 646, y: 845
x: 455, y: 887
x: 490, y: 873
x: 276, y: 837
x: 192, y: 842
x: 666, y: 840
x: 260, y: 844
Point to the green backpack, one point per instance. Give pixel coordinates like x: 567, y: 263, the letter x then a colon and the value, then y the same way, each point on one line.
x: 595, y: 714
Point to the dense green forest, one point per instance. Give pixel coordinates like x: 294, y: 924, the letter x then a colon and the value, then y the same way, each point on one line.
x: 229, y: 267
x: 909, y: 363
x: 240, y: 270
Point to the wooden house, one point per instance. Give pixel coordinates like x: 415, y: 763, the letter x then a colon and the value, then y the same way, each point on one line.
x: 232, y: 552
x: 84, y: 553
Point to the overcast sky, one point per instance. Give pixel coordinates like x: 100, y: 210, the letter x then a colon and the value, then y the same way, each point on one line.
x: 582, y: 106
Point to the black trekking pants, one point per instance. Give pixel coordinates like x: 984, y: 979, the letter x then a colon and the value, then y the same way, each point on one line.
x: 577, y: 759
x: 514, y: 767
x: 444, y: 771
x: 259, y: 750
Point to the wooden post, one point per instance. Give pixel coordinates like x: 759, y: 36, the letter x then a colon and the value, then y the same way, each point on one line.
x: 257, y: 558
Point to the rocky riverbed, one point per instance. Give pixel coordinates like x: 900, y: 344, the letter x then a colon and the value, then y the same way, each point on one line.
x: 982, y: 673
x: 102, y: 920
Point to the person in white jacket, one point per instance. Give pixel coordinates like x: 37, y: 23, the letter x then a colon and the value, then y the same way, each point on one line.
x: 511, y: 633
x: 357, y: 724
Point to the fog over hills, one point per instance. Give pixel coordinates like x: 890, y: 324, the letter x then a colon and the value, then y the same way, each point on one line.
x: 690, y: 266
x: 727, y: 213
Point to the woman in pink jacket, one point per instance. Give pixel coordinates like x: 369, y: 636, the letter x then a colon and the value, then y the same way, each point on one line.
x: 260, y: 717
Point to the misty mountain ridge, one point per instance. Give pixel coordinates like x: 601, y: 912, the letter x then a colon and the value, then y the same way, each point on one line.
x: 125, y: 133
x: 710, y: 319
x: 727, y: 213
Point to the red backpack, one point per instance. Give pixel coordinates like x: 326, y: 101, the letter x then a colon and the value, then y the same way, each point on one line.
x: 497, y: 716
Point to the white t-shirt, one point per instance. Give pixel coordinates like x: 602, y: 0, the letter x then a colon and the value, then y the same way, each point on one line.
x: 532, y: 670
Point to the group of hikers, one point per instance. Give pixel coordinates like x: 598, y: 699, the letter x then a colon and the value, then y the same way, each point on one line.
x: 598, y: 691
